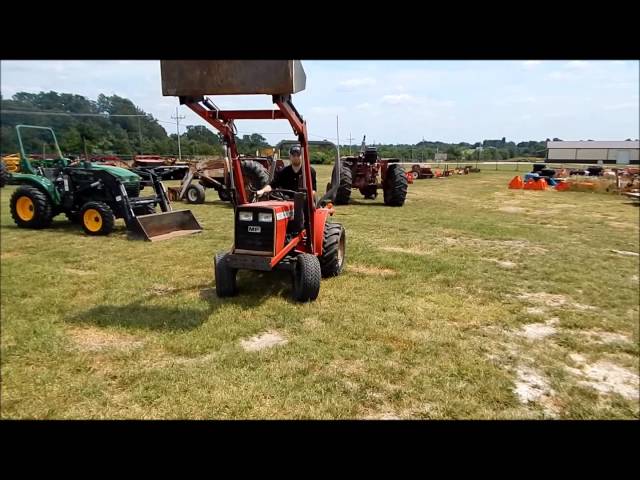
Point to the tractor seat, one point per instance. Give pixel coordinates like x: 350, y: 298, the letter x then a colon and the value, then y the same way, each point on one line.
x: 51, y: 173
x: 371, y: 155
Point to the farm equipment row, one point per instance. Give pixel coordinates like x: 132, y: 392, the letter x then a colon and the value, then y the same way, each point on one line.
x: 93, y: 195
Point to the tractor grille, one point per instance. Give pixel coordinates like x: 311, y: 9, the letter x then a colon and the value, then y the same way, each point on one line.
x: 254, y: 242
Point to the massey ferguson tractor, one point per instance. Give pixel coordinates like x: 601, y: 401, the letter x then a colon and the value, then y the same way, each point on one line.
x: 368, y: 172
x: 290, y: 230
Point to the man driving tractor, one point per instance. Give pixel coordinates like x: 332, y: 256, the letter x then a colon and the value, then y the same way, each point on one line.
x: 290, y: 177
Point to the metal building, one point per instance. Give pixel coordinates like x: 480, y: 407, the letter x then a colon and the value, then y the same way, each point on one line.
x: 623, y: 153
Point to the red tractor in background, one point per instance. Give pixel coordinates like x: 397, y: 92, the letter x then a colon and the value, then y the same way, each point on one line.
x: 368, y: 172
x: 290, y: 230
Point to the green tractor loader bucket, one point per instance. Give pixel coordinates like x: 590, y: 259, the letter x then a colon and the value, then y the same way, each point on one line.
x: 166, y: 225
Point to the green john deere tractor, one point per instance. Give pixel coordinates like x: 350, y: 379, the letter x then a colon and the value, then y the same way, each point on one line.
x: 93, y: 195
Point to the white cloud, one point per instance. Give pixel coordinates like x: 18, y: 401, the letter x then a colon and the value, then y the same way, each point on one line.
x: 577, y: 64
x: 402, y: 98
x: 560, y: 76
x: 531, y: 63
x: 622, y: 106
x: 358, y: 82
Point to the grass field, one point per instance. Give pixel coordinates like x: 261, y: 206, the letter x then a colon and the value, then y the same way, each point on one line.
x: 471, y: 301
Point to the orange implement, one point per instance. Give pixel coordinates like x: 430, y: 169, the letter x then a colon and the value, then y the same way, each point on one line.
x: 516, y: 182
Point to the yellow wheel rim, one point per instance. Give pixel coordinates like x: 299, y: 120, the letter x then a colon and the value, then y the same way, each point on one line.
x: 92, y: 220
x: 25, y: 209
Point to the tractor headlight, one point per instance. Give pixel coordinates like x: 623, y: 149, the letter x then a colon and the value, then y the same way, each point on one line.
x: 265, y: 217
x: 245, y: 216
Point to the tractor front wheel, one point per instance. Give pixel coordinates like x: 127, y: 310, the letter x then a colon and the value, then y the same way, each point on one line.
x: 306, y: 278
x: 31, y: 207
x: 333, y: 248
x: 195, y: 193
x: 224, y: 195
x: 225, y: 276
x: 97, y: 218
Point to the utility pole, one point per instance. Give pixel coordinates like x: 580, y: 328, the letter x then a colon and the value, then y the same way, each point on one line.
x: 178, y: 118
x: 338, y: 137
x: 350, y: 141
x: 140, y: 135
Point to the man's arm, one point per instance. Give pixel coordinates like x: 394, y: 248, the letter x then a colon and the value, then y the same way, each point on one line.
x: 275, y: 183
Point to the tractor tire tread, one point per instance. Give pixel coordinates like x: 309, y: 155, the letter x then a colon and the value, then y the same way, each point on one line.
x: 42, y: 207
x: 329, y: 265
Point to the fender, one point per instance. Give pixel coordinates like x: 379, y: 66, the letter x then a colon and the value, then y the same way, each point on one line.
x: 43, y: 183
x: 319, y: 219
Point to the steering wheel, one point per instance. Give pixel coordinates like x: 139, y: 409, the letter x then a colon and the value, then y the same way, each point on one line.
x: 282, y: 194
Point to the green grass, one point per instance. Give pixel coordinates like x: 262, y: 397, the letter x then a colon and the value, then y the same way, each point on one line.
x: 421, y: 324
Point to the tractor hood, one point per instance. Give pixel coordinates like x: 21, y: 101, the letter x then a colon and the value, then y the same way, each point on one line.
x: 125, y: 176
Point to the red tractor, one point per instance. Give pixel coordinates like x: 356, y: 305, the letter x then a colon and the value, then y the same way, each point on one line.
x: 290, y: 230
x: 368, y: 172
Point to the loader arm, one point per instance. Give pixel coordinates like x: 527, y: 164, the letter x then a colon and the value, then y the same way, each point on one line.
x: 222, y: 120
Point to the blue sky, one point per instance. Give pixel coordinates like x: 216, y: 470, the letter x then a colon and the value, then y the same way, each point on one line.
x: 392, y: 101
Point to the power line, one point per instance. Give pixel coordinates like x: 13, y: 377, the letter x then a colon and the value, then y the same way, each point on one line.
x: 44, y: 112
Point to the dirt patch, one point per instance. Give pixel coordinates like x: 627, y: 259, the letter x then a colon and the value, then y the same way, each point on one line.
x: 5, y: 255
x: 410, y: 251
x: 624, y: 252
x: 599, y: 336
x: 503, y: 263
x: 623, y: 225
x: 634, y: 278
x: 537, y: 331
x: 582, y: 306
x: 91, y: 339
x: 260, y: 342
x: 606, y: 377
x: 532, y: 387
x: 551, y: 300
x: 382, y: 272
x: 158, y: 289
x: 383, y: 416
x: 510, y: 209
x: 535, y: 311
x: 546, y: 299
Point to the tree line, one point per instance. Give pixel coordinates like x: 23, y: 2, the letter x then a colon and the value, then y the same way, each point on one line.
x: 113, y: 125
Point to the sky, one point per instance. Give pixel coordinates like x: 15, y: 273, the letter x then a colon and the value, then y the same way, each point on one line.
x: 390, y: 101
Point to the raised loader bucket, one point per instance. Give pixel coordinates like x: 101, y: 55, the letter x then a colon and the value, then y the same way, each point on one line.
x: 231, y: 77
x: 166, y: 225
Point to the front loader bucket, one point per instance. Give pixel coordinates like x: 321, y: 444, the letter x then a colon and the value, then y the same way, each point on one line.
x: 163, y: 226
x: 231, y: 77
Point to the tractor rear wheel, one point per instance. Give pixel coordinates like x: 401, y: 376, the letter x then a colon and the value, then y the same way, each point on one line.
x: 333, y: 249
x: 31, y: 207
x: 306, y: 278
x: 4, y: 175
x: 395, y: 186
x: 97, y: 218
x: 225, y: 276
x: 195, y: 193
x: 255, y: 176
x: 344, y: 189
